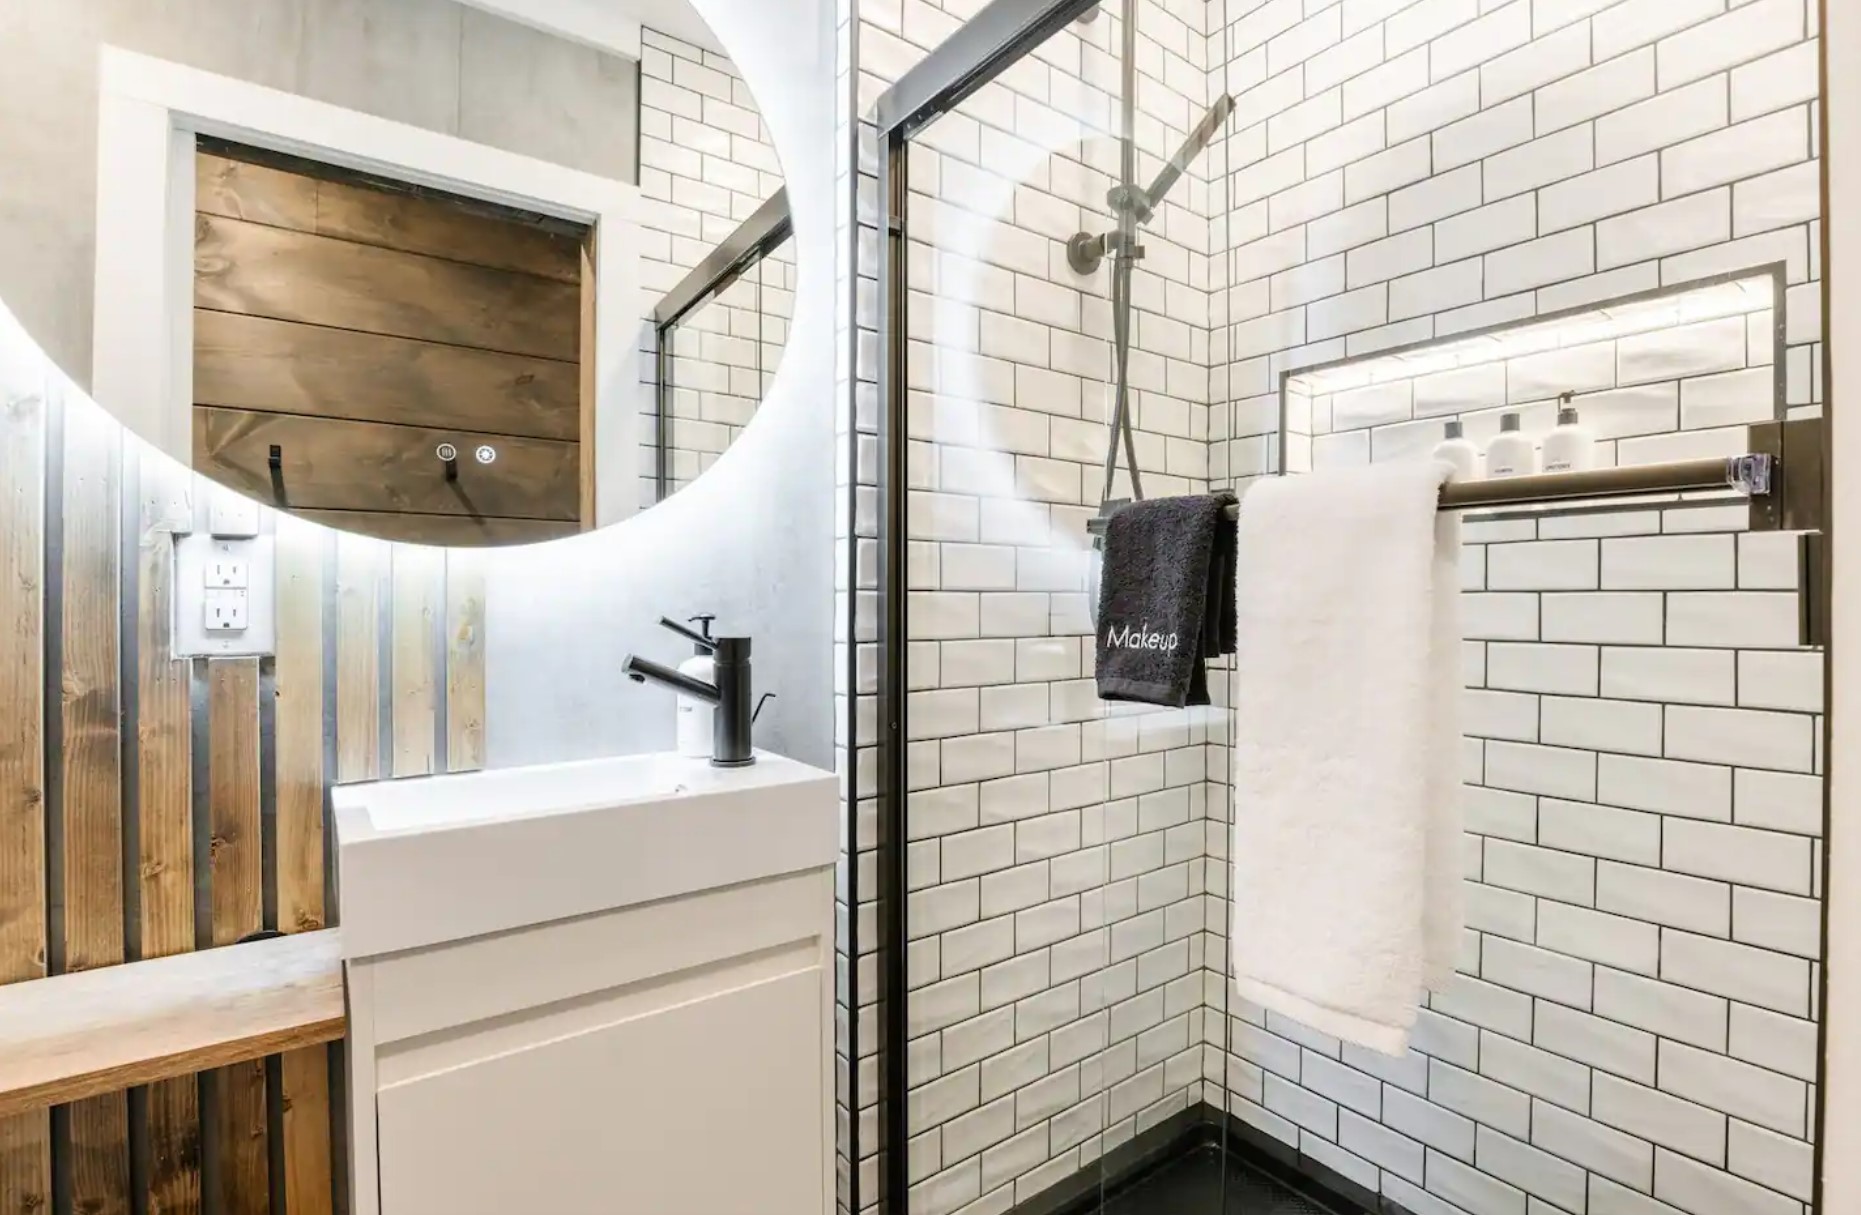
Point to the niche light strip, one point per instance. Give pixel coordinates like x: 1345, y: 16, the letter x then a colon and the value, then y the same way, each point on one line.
x: 1606, y: 323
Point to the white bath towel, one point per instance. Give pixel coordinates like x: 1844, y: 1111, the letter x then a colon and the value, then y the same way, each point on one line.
x: 1347, y: 834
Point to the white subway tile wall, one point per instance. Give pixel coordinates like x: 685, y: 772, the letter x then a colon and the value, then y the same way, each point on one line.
x: 1643, y: 806
x: 1634, y: 1032
x: 1643, y: 792
x: 706, y: 164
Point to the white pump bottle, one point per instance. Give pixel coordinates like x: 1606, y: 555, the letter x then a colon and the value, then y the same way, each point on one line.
x: 695, y: 724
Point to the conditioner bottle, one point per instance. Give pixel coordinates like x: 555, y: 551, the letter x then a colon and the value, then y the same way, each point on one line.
x: 1458, y: 452
x: 1571, y: 447
x: 1512, y: 453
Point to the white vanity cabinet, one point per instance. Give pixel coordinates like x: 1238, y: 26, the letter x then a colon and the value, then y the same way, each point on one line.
x: 599, y: 987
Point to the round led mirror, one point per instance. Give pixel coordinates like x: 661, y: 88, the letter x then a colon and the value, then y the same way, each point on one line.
x: 436, y: 271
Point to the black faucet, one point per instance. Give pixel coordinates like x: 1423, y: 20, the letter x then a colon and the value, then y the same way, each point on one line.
x: 730, y: 696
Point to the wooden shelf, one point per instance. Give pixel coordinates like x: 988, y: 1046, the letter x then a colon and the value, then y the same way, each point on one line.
x: 101, y: 1031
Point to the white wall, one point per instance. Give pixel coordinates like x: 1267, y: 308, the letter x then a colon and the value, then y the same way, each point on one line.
x: 752, y: 540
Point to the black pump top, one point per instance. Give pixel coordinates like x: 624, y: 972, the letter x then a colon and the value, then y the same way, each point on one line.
x: 1508, y: 422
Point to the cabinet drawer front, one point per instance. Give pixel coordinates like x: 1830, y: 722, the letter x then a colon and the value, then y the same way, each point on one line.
x: 625, y: 1116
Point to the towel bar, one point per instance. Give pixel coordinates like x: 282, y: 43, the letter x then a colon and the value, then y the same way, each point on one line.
x: 1780, y: 500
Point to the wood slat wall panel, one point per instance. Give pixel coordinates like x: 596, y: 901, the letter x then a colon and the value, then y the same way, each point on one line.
x: 299, y: 779
x: 377, y: 467
x: 465, y: 661
x: 165, y: 814
x: 148, y: 805
x: 256, y: 363
x: 361, y: 568
x: 354, y: 326
x: 238, y: 909
x: 25, y: 1140
x: 259, y: 271
x: 91, y: 763
x: 419, y: 576
x: 256, y: 193
x: 392, y: 220
x: 301, y: 549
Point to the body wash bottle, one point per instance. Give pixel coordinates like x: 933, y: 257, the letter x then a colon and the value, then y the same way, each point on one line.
x: 1570, y: 447
x: 1457, y: 451
x: 1511, y: 454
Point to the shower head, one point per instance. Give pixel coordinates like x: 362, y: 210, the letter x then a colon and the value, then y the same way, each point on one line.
x: 1088, y: 17
x: 1192, y: 147
x: 1134, y: 205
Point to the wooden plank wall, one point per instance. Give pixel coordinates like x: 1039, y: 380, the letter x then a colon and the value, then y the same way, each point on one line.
x: 150, y: 806
x: 356, y: 329
x: 25, y: 1140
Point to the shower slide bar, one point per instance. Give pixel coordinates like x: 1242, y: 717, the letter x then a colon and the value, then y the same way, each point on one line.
x: 1781, y: 476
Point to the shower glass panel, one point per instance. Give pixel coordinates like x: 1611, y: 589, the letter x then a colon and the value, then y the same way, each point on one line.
x: 1168, y: 246
x: 1065, y: 976
x: 718, y: 361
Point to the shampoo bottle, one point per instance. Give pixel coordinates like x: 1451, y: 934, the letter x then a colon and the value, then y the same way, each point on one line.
x: 695, y: 716
x: 1570, y: 447
x: 1457, y: 451
x: 1511, y: 454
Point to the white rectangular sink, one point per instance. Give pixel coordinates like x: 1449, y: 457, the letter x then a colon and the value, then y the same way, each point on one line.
x: 439, y: 858
x: 560, y: 977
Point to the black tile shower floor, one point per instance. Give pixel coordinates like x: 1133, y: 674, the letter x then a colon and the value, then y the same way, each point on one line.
x: 1192, y: 1184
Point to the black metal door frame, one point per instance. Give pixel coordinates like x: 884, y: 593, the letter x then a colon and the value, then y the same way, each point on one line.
x: 747, y: 245
x: 996, y: 37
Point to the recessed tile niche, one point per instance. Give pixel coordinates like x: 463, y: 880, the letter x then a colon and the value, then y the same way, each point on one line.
x: 1671, y: 375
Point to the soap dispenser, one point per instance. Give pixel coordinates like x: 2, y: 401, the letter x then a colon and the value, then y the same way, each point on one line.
x: 1458, y: 452
x: 1571, y: 447
x: 694, y: 716
x: 1511, y: 454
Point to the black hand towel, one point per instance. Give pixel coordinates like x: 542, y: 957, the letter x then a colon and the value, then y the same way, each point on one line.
x: 1166, y: 599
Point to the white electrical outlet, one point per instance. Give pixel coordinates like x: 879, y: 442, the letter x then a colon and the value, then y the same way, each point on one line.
x: 228, y: 573
x: 225, y: 596
x: 224, y: 611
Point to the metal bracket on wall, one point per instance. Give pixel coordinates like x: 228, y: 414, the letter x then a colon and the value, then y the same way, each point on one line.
x: 1799, y: 470
x: 1813, y: 597
x: 1798, y: 466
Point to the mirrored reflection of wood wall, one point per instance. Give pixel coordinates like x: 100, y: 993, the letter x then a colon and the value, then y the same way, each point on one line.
x: 150, y: 806
x: 355, y: 325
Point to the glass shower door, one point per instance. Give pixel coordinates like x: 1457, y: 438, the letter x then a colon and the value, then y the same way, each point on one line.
x: 1057, y: 926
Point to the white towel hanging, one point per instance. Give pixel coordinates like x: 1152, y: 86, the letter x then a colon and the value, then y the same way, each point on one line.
x: 1346, y: 853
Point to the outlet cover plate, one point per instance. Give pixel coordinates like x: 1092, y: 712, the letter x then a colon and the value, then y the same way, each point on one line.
x: 231, y: 515
x: 195, y: 557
